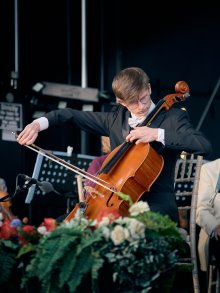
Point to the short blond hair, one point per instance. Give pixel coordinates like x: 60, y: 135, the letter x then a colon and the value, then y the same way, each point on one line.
x: 129, y: 82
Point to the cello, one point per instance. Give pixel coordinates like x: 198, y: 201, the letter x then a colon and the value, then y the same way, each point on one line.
x: 129, y: 169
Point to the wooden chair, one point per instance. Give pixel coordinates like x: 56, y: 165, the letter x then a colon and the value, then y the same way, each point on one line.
x: 187, y: 175
x: 213, y: 276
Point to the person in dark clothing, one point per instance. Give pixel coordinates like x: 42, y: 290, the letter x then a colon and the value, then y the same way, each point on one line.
x: 171, y: 130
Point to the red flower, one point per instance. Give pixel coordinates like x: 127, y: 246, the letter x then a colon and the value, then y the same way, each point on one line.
x: 28, y: 229
x: 6, y: 231
x: 110, y: 214
x: 26, y: 234
x: 50, y: 224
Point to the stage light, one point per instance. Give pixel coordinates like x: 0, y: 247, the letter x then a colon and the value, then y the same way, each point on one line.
x: 38, y: 87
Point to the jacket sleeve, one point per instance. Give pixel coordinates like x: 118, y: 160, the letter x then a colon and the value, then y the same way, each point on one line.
x: 206, y: 214
x: 93, y: 122
x: 181, y: 135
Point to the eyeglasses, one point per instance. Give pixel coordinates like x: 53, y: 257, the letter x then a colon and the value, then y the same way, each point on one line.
x: 143, y: 101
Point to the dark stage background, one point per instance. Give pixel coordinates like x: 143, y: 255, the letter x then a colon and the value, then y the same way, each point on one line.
x: 171, y: 42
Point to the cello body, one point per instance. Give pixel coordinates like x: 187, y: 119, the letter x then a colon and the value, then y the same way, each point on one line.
x: 133, y: 175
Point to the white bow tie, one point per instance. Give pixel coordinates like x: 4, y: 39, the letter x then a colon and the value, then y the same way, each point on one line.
x: 134, y: 121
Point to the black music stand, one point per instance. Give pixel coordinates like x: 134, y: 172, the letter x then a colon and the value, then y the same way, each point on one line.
x: 64, y: 182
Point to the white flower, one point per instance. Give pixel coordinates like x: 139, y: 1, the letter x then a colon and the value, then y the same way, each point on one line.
x: 119, y: 234
x: 106, y: 233
x: 42, y: 230
x: 77, y: 222
x: 78, y: 214
x: 104, y: 222
x: 139, y: 208
x: 136, y: 228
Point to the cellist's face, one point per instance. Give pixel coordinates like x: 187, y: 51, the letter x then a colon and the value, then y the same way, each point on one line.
x: 141, y: 105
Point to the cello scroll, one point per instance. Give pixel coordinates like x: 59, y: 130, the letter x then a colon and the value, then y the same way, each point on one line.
x: 182, y: 93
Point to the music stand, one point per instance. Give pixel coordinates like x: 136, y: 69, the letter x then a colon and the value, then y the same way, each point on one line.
x: 63, y: 180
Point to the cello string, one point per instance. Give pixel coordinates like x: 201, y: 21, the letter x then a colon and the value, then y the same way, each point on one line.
x: 73, y: 168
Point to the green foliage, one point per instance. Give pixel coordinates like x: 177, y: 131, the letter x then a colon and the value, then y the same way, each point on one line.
x: 76, y: 254
x: 125, y: 197
x: 134, y: 251
x: 8, y: 253
x: 159, y: 223
x: 24, y: 250
x: 64, y: 258
x: 162, y: 225
x: 137, y: 264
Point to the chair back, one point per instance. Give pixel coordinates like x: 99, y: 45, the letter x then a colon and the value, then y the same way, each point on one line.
x: 187, y: 175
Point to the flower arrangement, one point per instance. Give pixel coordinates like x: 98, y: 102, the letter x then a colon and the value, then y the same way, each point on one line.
x: 126, y: 254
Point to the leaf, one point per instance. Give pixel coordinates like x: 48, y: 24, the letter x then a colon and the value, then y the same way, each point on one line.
x: 8, y: 252
x: 125, y: 197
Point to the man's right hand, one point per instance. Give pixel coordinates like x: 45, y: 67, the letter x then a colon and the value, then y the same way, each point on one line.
x: 29, y: 134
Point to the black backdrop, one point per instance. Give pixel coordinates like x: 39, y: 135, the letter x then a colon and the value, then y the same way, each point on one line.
x: 171, y: 42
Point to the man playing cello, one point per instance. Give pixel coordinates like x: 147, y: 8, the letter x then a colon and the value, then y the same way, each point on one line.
x: 170, y: 130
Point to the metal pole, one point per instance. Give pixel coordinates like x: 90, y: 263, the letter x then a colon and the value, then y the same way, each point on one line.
x: 209, y: 104
x: 15, y: 72
x: 83, y: 49
x: 69, y: 73
x: 84, y: 135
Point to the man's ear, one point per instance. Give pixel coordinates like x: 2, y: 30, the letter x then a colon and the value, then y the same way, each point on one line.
x: 120, y: 101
